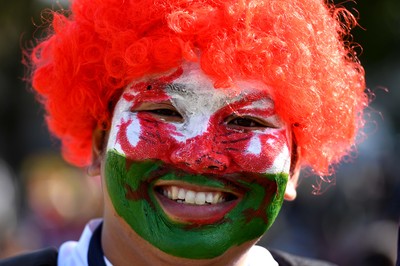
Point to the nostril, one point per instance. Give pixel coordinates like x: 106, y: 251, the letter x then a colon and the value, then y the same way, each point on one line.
x: 216, y: 166
x: 199, y: 159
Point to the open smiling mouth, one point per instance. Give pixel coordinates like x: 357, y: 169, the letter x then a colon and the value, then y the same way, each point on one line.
x: 186, y: 203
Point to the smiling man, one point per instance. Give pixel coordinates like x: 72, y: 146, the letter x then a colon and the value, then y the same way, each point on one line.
x: 198, y: 116
x: 192, y: 170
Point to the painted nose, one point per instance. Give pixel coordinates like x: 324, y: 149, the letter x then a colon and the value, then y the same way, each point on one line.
x: 200, y: 156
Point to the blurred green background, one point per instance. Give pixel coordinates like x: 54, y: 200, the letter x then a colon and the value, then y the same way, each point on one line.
x: 354, y: 222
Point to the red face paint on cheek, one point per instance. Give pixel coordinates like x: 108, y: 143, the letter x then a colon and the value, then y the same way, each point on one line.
x: 256, y: 152
x: 141, y: 136
x: 146, y: 138
x: 250, y: 150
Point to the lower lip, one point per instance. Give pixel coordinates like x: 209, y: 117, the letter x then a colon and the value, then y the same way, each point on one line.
x: 195, y: 214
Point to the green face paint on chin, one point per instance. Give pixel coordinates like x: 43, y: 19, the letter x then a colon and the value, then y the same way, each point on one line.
x: 130, y: 186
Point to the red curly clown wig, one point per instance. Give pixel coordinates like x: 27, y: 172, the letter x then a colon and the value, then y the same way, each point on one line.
x: 297, y: 47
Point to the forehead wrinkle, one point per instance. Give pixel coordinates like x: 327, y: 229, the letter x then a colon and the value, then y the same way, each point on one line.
x: 178, y: 88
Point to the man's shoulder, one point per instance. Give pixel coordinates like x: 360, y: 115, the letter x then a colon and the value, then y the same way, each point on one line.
x: 286, y: 259
x: 43, y: 257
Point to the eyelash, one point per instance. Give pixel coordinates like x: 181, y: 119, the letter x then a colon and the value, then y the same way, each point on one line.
x: 246, y: 122
x: 166, y: 112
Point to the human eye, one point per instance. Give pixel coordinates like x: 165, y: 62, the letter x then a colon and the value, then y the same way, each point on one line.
x: 164, y: 110
x: 248, y: 123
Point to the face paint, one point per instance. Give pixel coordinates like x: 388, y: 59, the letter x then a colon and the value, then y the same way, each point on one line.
x: 195, y: 170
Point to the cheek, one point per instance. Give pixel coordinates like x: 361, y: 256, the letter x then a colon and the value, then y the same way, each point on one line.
x: 141, y: 138
x: 260, y: 153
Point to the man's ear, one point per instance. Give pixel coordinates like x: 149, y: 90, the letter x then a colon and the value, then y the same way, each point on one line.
x: 291, y: 186
x: 98, y: 139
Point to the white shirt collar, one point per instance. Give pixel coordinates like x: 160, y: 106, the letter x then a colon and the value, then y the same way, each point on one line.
x: 73, y: 253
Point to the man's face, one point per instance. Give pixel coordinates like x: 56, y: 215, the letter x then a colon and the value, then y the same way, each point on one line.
x: 194, y: 170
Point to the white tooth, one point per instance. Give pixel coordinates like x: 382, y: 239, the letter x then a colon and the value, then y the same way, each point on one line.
x: 209, y: 197
x: 190, y: 196
x: 221, y: 199
x: 169, y: 194
x: 181, y: 193
x: 216, y: 197
x: 200, y: 198
x: 165, y: 193
x: 174, y: 192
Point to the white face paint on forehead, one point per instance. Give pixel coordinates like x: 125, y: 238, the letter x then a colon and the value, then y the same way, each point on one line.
x: 193, y: 95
